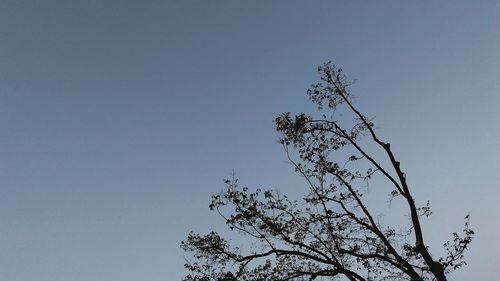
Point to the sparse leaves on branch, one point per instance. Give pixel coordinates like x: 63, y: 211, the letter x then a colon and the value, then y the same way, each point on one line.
x: 331, y: 233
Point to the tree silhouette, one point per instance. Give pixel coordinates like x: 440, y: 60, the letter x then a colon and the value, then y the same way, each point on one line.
x: 331, y: 233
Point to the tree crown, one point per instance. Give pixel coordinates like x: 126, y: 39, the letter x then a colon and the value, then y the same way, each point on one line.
x: 331, y: 233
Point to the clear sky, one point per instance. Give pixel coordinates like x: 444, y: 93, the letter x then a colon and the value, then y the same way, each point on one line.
x: 119, y: 119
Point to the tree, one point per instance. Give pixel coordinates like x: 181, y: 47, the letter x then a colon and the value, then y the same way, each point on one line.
x: 332, y: 232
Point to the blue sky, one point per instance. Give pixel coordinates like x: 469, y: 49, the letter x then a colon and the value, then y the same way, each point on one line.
x: 119, y: 119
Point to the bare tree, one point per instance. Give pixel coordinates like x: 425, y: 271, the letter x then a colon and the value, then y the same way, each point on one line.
x: 331, y: 233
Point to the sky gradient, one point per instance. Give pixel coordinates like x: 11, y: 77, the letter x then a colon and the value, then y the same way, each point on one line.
x: 119, y: 119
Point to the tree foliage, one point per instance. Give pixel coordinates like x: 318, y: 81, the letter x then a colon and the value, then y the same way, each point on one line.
x: 331, y: 233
